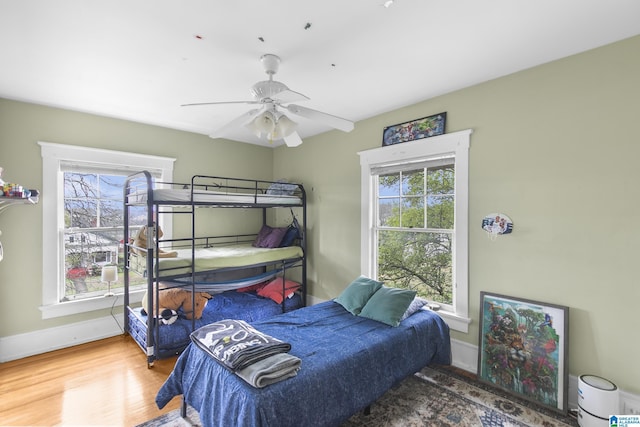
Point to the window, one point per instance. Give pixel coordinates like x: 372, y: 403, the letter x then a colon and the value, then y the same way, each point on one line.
x: 83, y: 222
x: 414, y: 220
x: 93, y: 221
x: 414, y: 230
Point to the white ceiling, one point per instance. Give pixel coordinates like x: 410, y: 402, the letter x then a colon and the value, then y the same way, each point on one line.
x: 141, y: 59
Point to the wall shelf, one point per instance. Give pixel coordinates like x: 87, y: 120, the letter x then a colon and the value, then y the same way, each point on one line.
x: 5, y: 202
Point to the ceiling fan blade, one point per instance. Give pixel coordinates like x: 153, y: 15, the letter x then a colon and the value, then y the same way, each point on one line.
x: 221, y: 102
x: 328, y: 119
x: 236, y: 123
x: 289, y: 95
x: 292, y: 140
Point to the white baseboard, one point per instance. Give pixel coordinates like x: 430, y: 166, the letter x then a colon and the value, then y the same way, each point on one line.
x: 28, y: 344
x: 464, y: 356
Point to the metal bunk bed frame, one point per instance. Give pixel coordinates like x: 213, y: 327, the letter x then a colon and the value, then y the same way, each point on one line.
x: 143, y: 180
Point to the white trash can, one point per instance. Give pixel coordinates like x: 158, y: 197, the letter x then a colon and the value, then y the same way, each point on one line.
x: 597, y: 399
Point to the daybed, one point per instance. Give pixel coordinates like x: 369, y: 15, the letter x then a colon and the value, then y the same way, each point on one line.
x: 348, y: 362
x: 204, y: 263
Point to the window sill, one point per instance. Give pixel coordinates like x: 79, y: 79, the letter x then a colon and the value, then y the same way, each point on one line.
x: 455, y: 321
x: 87, y: 305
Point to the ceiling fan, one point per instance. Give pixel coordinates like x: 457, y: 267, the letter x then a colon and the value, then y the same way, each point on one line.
x: 269, y: 119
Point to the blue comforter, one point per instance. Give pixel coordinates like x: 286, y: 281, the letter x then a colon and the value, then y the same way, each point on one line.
x: 348, y: 362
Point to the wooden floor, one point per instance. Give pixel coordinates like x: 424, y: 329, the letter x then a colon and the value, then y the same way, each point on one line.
x: 103, y: 383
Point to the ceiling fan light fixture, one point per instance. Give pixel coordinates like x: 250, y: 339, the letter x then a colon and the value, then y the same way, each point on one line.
x: 284, y: 127
x: 264, y: 123
x: 272, y: 124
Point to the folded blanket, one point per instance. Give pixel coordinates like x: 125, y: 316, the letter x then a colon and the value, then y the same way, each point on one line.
x: 270, y: 370
x: 236, y: 344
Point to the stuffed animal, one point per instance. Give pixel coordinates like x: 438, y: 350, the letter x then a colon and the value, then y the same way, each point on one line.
x: 141, y: 242
x: 172, y: 299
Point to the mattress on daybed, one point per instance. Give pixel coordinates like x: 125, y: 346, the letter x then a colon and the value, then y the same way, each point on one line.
x: 228, y: 256
x: 348, y: 362
x: 226, y: 305
x: 169, y: 195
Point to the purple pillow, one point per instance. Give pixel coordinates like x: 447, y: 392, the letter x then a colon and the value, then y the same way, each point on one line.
x: 270, y: 237
x: 274, y: 238
x: 264, y: 232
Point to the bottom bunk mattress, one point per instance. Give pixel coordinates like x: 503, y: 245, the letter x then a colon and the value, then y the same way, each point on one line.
x: 348, y: 362
x: 173, y: 338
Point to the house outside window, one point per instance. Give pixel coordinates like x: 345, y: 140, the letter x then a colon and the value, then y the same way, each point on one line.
x: 415, y: 220
x: 83, y: 223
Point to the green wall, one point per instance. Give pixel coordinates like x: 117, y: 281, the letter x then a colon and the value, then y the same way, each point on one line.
x: 553, y: 147
x: 22, y: 125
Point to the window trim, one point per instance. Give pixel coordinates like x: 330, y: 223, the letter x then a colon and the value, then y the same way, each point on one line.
x: 53, y: 216
x: 456, y: 144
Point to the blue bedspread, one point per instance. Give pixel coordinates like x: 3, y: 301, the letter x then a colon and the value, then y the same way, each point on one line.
x: 348, y: 362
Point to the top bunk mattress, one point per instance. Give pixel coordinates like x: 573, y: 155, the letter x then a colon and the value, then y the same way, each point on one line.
x: 170, y: 195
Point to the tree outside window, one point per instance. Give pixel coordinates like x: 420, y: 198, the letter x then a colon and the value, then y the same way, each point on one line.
x: 415, y: 226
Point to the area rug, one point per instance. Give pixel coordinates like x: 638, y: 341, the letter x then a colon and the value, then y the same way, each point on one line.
x: 432, y: 397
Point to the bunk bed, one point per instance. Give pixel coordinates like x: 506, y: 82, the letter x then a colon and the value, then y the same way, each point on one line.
x: 228, y: 267
x: 347, y: 363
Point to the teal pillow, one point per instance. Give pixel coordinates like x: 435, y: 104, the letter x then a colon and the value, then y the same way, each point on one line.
x: 356, y: 295
x: 388, y: 305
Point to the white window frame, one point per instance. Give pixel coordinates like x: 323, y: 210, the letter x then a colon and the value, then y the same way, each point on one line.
x: 454, y: 145
x: 53, y: 216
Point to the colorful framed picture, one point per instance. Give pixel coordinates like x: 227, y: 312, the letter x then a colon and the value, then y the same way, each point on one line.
x: 415, y: 129
x: 523, y: 349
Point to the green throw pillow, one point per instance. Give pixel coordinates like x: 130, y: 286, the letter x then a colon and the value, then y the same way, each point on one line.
x: 356, y: 295
x: 388, y: 305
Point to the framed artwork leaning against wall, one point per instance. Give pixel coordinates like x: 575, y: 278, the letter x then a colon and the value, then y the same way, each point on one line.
x: 523, y: 349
